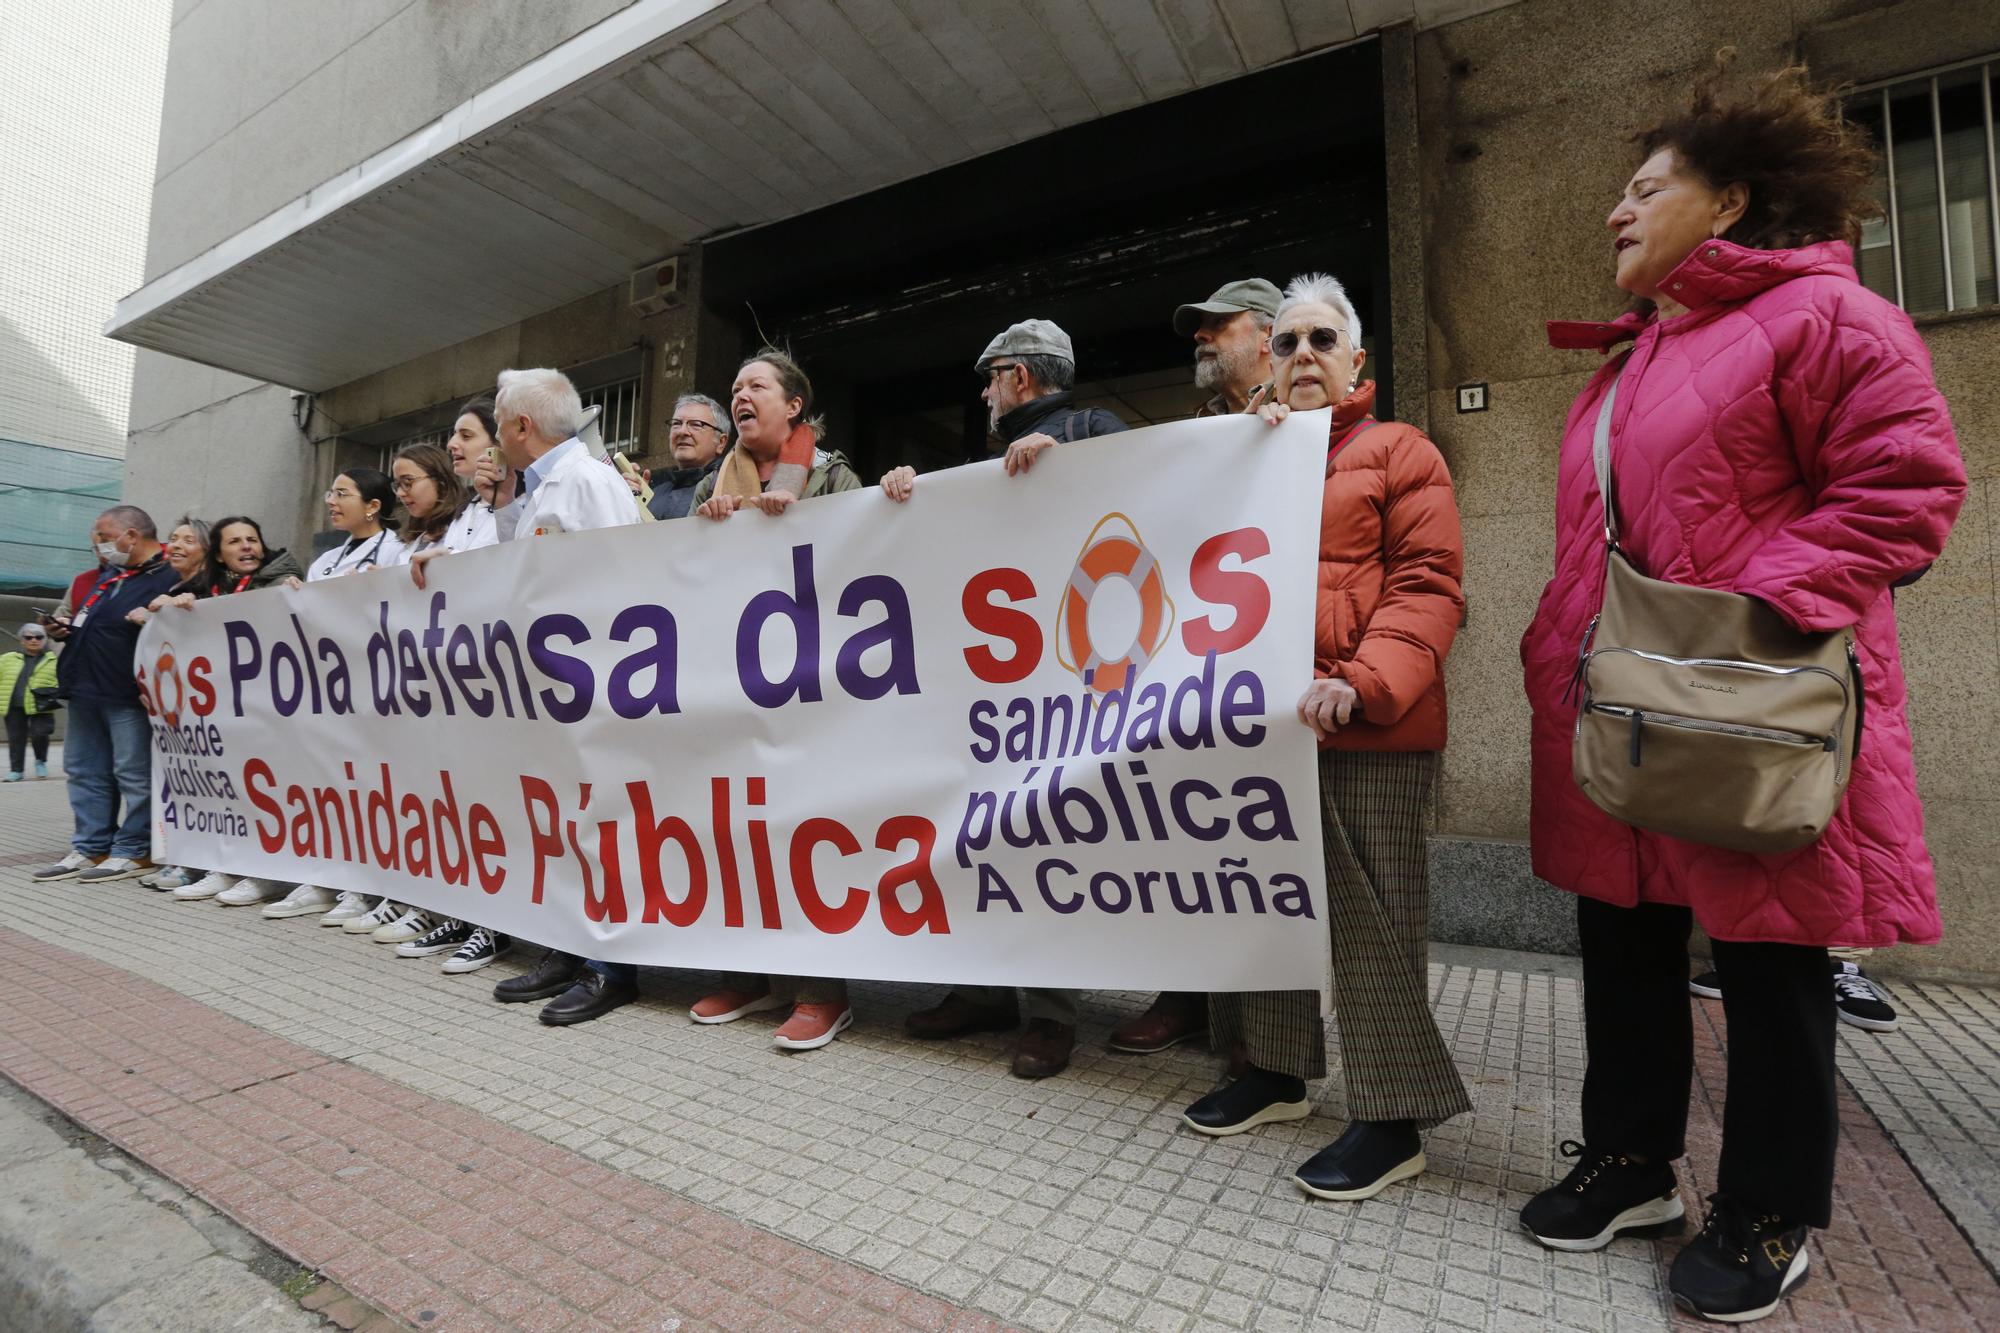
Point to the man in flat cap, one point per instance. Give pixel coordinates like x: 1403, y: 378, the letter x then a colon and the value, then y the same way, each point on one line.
x: 1029, y: 370
x: 1232, y: 342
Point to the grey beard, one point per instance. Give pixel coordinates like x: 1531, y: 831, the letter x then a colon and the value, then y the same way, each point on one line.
x: 1208, y: 373
x: 1218, y: 372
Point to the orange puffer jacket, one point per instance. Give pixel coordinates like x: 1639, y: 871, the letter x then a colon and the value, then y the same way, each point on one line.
x: 1391, y: 569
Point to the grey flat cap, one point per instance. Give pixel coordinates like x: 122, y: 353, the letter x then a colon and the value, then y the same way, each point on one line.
x: 1031, y: 337
x: 1229, y: 299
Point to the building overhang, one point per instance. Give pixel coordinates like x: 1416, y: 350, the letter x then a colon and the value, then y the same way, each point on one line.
x: 670, y: 122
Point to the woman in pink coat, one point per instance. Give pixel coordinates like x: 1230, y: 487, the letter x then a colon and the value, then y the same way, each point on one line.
x: 1777, y: 432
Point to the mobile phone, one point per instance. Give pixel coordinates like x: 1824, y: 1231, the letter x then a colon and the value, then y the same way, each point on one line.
x: 497, y: 459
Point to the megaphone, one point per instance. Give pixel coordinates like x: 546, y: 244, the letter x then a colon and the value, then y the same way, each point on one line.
x: 591, y: 431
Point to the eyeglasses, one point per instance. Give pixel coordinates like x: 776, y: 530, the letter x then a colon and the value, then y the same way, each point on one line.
x: 678, y: 422
x: 1322, y: 340
x: 331, y: 496
x: 404, y: 485
x: 995, y: 371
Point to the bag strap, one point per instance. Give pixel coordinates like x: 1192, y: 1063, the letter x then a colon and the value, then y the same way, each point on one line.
x: 1600, y: 448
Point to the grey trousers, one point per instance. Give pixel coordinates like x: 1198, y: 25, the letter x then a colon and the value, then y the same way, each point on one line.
x: 1397, y: 1067
x: 1059, y: 1005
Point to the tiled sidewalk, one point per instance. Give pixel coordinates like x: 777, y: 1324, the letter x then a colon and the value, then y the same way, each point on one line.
x: 438, y: 1152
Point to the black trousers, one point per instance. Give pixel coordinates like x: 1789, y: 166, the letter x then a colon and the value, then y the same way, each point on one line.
x: 23, y: 726
x: 1780, y: 1120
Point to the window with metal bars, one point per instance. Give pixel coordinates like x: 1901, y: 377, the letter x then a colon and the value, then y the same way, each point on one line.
x: 620, y: 422
x: 1933, y: 249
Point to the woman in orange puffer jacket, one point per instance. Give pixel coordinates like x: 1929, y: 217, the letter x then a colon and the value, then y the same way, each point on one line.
x: 1390, y: 563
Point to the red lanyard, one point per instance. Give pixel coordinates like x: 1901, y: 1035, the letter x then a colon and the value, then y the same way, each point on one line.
x: 215, y: 589
x: 106, y: 586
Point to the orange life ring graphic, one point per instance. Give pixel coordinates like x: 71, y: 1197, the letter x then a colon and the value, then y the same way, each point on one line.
x: 1113, y: 555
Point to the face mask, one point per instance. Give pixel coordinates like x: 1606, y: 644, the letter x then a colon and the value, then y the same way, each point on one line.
x: 109, y: 553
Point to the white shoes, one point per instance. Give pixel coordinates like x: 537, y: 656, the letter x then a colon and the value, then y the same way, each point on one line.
x: 412, y: 924
x: 208, y: 886
x: 305, y: 900
x: 247, y: 891
x: 376, y: 917
x: 349, y: 907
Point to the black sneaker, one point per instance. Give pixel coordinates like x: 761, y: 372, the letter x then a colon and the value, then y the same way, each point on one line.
x: 1260, y: 1097
x: 1740, y: 1266
x: 479, y: 949
x: 1708, y: 985
x: 1603, y: 1195
x: 1371, y: 1156
x: 444, y: 936
x: 1860, y: 1001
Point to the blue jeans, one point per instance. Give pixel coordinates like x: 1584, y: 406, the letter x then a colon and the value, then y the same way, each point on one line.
x: 626, y: 972
x: 107, y: 756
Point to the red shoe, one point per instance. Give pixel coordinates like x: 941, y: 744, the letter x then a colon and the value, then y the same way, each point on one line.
x: 812, y: 1026
x: 726, y: 1006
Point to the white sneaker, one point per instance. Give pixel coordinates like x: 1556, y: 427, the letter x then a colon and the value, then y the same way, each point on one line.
x: 207, y: 886
x: 113, y: 867
x: 248, y: 890
x: 348, y: 908
x: 68, y: 868
x: 409, y: 926
x: 482, y: 948
x: 174, y: 877
x: 372, y: 920
x: 305, y: 900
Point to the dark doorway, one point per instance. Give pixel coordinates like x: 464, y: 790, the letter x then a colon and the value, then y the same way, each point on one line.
x: 887, y: 299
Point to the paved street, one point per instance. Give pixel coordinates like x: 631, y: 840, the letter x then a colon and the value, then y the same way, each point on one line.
x: 457, y: 1165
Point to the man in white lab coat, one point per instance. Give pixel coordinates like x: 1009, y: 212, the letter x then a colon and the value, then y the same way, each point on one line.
x: 563, y: 489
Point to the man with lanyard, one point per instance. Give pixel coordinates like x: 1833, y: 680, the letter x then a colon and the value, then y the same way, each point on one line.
x: 1232, y: 360
x: 107, y: 753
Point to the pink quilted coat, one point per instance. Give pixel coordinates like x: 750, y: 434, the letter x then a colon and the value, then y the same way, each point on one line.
x: 1785, y: 439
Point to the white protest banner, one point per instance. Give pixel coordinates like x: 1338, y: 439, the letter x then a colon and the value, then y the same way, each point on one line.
x: 1034, y: 730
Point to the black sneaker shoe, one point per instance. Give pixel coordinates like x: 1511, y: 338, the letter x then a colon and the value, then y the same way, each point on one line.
x: 1741, y: 1265
x: 1860, y: 1001
x: 445, y: 935
x: 1603, y: 1195
x: 1360, y: 1164
x: 1708, y: 985
x: 479, y: 949
x: 1258, y: 1098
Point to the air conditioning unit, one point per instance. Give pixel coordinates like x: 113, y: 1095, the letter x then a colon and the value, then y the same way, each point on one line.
x: 656, y: 287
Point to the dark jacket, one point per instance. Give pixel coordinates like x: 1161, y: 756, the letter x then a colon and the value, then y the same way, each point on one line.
x: 96, y: 661
x: 1054, y: 415
x: 673, y: 490
x: 277, y: 567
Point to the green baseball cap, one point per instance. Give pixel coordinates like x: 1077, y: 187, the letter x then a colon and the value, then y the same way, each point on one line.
x: 1230, y: 298
x: 1031, y: 337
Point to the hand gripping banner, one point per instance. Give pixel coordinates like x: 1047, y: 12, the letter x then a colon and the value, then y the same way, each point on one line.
x: 1033, y: 731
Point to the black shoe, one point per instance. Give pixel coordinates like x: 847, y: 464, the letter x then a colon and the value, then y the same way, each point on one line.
x: 555, y: 974
x: 1360, y: 1164
x: 1740, y: 1266
x: 1708, y: 985
x: 593, y: 996
x: 1860, y: 1001
x: 1259, y: 1097
x: 1605, y: 1194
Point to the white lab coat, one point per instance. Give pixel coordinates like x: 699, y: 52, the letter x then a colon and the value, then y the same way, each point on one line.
x: 382, y: 551
x: 579, y: 493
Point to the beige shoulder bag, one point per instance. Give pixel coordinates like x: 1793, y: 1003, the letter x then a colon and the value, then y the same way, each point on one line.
x: 1704, y: 715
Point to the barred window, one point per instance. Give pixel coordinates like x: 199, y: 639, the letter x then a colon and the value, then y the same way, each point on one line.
x: 1933, y: 249
x: 620, y: 423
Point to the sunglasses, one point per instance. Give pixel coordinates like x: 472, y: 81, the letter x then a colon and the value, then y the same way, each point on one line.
x: 1323, y: 340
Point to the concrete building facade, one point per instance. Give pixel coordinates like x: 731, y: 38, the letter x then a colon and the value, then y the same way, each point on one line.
x: 399, y: 198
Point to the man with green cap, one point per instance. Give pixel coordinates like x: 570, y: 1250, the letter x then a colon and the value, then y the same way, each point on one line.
x: 1232, y: 343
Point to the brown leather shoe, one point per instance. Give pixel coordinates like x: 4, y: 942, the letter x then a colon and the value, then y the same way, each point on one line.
x: 956, y: 1016
x: 1174, y: 1017
x: 1045, y: 1048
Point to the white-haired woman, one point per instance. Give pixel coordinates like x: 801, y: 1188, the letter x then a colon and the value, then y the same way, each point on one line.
x: 1390, y: 563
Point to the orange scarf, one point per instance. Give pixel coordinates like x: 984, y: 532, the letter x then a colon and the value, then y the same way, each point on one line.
x: 739, y: 478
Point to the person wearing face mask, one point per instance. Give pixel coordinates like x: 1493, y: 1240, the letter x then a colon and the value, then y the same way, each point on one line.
x: 24, y: 673
x: 776, y: 462
x: 1775, y: 431
x: 187, y: 552
x: 237, y: 562
x: 107, y: 754
x: 1391, y: 563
